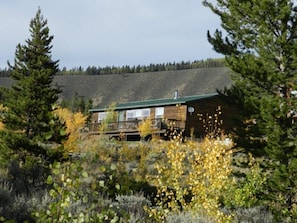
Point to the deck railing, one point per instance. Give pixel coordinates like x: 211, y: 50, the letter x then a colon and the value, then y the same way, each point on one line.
x: 133, y: 125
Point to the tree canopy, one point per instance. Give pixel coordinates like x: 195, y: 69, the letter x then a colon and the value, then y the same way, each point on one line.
x: 97, y: 70
x: 260, y: 45
x: 29, y: 120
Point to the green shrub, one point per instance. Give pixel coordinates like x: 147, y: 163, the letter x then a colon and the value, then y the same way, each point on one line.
x: 133, y: 205
x: 22, y: 188
x: 256, y: 214
x: 18, y: 207
x: 244, y: 192
x: 188, y: 217
x: 77, y: 190
x: 27, y: 176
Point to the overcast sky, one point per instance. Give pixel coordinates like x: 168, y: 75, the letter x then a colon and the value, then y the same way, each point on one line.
x: 112, y: 32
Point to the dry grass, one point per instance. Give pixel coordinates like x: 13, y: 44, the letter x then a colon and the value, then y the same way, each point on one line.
x: 106, y: 89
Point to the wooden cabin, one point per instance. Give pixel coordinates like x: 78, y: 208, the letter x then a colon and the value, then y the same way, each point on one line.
x: 194, y: 116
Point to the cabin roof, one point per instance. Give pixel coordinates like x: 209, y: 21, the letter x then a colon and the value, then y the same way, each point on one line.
x: 156, y: 102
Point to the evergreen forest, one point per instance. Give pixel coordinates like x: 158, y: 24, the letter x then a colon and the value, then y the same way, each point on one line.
x: 93, y: 70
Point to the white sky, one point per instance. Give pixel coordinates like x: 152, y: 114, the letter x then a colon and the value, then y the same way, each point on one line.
x: 112, y: 32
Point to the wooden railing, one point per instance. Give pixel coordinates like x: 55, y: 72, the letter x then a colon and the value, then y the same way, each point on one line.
x: 124, y: 126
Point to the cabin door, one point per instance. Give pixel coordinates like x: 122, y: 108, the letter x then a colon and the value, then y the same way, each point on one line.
x: 121, y: 116
x: 121, y: 119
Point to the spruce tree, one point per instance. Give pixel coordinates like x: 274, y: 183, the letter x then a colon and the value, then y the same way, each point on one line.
x: 260, y: 47
x: 30, y: 124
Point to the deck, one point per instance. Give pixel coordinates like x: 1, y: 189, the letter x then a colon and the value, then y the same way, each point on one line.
x: 125, y: 129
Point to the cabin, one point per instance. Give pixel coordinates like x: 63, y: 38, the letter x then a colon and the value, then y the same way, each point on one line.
x: 191, y: 116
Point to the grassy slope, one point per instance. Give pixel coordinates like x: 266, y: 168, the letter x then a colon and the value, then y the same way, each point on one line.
x: 105, y: 89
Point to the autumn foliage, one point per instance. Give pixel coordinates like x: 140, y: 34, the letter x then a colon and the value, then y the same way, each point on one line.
x: 74, y: 122
x: 192, y: 178
x: 2, y: 110
x: 145, y: 128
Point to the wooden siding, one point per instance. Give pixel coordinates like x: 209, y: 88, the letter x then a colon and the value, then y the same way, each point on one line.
x: 94, y: 117
x: 179, y: 116
x: 204, y: 109
x: 176, y: 112
x: 174, y: 115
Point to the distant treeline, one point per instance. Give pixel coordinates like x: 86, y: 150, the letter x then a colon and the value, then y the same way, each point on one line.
x: 93, y: 70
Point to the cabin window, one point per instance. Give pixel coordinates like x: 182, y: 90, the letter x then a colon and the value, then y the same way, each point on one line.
x: 159, y: 112
x: 145, y: 112
x: 101, y: 116
x: 137, y: 114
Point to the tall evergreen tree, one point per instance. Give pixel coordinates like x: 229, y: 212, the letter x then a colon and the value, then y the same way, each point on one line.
x: 260, y: 45
x: 29, y: 121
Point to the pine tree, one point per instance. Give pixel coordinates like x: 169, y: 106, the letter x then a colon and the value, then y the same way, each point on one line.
x: 260, y: 47
x: 29, y: 121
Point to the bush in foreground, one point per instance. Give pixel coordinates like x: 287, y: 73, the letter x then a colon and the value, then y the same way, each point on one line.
x: 192, y: 179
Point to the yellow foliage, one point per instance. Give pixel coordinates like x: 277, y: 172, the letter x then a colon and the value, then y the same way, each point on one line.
x: 200, y: 170
x: 111, y: 116
x: 2, y: 126
x: 145, y: 128
x: 2, y: 109
x: 211, y: 168
x: 73, y: 121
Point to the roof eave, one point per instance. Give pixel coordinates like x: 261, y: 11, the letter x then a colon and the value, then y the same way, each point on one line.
x: 183, y: 100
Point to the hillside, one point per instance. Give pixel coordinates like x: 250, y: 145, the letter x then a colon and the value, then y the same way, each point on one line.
x: 105, y: 89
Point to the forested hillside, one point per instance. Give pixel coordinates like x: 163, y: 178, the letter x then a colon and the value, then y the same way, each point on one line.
x: 170, y: 66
